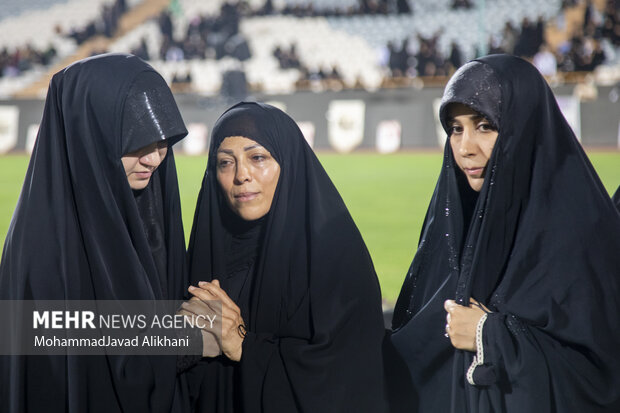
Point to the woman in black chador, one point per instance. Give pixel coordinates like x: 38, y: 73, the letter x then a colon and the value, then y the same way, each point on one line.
x: 98, y: 219
x: 511, y: 302
x: 301, y: 303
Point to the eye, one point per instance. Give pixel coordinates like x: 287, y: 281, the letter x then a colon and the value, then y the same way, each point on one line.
x: 259, y: 157
x: 454, y: 129
x: 224, y: 163
x: 486, y: 127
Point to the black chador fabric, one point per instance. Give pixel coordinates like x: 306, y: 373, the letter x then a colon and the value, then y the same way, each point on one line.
x: 80, y: 233
x: 616, y: 198
x: 312, y: 306
x: 540, y: 251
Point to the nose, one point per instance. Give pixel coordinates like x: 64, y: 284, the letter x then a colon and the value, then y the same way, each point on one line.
x: 153, y: 158
x: 467, y: 146
x: 242, y: 173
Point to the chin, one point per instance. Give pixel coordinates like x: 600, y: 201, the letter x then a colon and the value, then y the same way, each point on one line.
x: 138, y: 185
x: 476, y: 185
x: 250, y: 215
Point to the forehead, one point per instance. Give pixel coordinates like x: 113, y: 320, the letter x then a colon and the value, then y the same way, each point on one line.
x: 238, y: 142
x: 456, y: 110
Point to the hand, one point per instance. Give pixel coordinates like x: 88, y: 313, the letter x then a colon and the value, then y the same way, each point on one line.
x: 230, y: 320
x: 461, y: 323
x: 210, y: 345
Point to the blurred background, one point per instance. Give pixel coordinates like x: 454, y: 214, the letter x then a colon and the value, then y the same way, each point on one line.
x: 362, y: 78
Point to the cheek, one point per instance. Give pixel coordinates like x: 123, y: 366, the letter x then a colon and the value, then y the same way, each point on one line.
x: 488, y: 145
x: 162, y: 154
x: 129, y: 163
x: 271, y: 177
x: 454, y: 146
x: 224, y: 182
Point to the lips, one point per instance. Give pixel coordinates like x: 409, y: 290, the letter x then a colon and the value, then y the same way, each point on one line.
x: 476, y: 171
x: 246, y: 196
x: 143, y: 175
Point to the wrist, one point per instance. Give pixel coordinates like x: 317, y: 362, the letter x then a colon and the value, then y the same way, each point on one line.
x: 235, y: 355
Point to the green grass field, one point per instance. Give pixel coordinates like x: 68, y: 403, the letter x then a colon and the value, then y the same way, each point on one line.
x: 386, y: 194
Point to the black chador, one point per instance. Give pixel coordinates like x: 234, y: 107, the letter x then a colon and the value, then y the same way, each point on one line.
x: 80, y: 232
x: 303, y: 279
x: 539, y: 246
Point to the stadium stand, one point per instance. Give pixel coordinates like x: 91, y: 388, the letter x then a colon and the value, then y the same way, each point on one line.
x: 280, y: 46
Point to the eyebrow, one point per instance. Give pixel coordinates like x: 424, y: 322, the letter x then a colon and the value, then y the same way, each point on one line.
x: 247, y: 148
x: 473, y: 117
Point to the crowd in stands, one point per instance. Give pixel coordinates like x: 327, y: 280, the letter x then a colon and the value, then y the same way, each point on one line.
x: 462, y: 4
x: 13, y: 63
x: 582, y: 52
x: 206, y: 37
x: 219, y: 36
x: 426, y: 61
x: 106, y: 24
x: 289, y: 59
x: 364, y: 7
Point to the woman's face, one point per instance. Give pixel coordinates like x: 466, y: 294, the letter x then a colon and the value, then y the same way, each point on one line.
x: 472, y: 139
x: 248, y: 175
x: 140, y: 165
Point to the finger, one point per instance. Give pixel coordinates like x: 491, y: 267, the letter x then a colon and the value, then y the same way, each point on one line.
x: 226, y: 304
x: 227, y: 316
x: 201, y: 293
x: 195, y: 307
x: 449, y: 305
x: 185, y: 313
x: 219, y: 293
x: 202, y: 308
x: 216, y: 282
x: 210, y: 296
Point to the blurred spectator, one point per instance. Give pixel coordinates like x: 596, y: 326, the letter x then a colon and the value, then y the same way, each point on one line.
x: 509, y: 38
x: 182, y: 79
x: 461, y: 4
x: 373, y: 6
x: 530, y: 39
x: 393, y: 60
x: 428, y: 60
x: 611, y: 22
x: 142, y: 50
x: 236, y: 46
x: 545, y: 61
x: 267, y: 8
x: 456, y: 59
x: 402, y: 7
x: 234, y: 85
x: 569, y: 3
x: 333, y: 81
x: 165, y: 24
x: 287, y: 59
x: 174, y: 53
x: 591, y: 15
